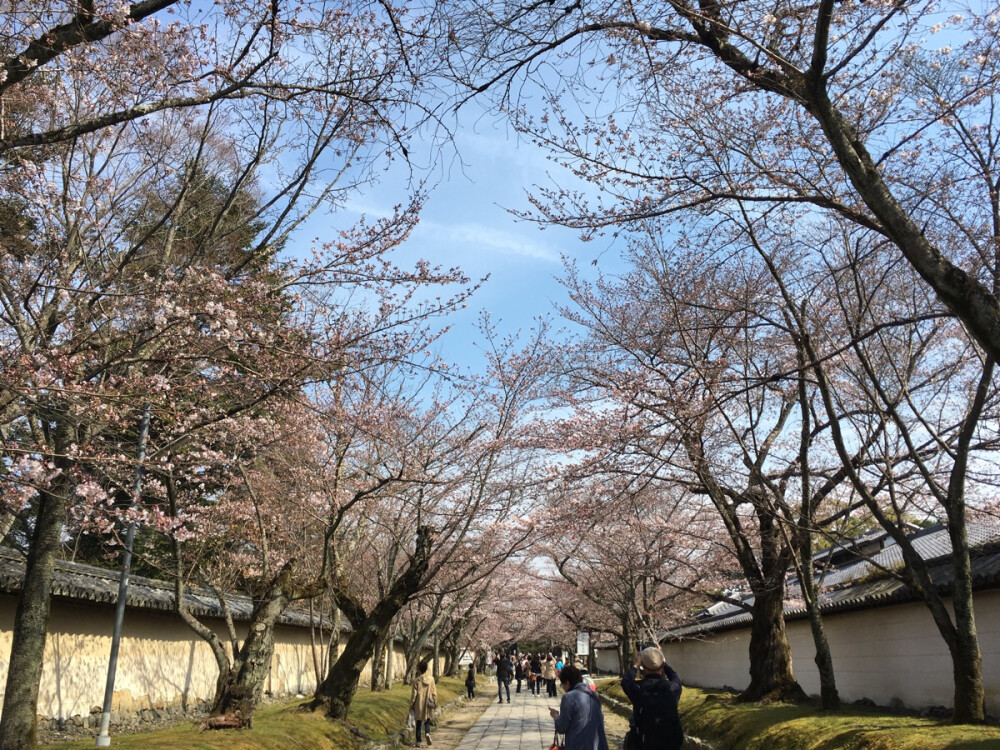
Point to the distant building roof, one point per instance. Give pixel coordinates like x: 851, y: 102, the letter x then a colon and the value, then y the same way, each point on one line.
x: 88, y: 583
x: 857, y: 575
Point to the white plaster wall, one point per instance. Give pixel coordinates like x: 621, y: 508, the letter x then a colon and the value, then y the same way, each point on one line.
x: 606, y: 660
x: 158, y: 663
x: 898, y: 652
x: 881, y: 654
x: 161, y: 661
x: 712, y: 662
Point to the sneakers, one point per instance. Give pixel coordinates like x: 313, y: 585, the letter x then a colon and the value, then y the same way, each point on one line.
x: 428, y: 738
x: 508, y: 700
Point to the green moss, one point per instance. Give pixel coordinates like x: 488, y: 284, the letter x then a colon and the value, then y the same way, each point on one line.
x: 283, y: 725
x: 714, y: 717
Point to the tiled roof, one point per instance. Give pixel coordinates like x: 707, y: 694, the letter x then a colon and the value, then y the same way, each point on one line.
x: 860, y: 583
x: 80, y: 582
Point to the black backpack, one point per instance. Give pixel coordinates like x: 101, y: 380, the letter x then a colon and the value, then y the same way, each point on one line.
x: 657, y: 723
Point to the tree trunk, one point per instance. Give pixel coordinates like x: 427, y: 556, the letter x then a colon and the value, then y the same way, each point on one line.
x: 771, y: 675
x: 241, y: 684
x: 337, y: 691
x: 970, y: 697
x: 452, y: 651
x: 967, y: 660
x: 829, y: 695
x: 390, y: 658
x: 764, y: 563
x: 238, y: 692
x: 333, y: 649
x: 626, y: 647
x: 314, y: 645
x: 390, y: 664
x: 24, y: 673
x: 378, y: 662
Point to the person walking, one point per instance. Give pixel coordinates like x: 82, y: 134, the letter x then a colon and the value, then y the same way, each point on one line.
x: 655, y: 723
x: 536, y: 674
x: 470, y: 681
x: 549, y: 675
x: 503, y: 677
x: 423, y: 701
x: 579, y: 715
x: 519, y: 674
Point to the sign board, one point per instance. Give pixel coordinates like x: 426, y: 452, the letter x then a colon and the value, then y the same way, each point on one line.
x: 582, y: 643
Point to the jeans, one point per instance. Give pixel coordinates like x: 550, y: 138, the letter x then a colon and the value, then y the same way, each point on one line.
x: 503, y: 682
x: 426, y: 724
x: 536, y: 686
x: 519, y: 681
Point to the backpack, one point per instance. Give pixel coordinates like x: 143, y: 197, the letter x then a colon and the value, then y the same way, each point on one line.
x: 657, y: 722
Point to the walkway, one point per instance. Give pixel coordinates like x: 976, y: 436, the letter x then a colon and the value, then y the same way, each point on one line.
x: 522, y: 724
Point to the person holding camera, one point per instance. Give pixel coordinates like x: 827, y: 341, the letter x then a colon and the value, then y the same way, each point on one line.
x: 655, y: 723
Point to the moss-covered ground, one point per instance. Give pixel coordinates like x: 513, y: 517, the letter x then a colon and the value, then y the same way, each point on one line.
x: 716, y: 718
x: 710, y: 715
x: 279, y: 726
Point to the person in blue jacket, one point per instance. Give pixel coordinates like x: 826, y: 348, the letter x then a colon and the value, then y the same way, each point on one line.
x: 579, y: 716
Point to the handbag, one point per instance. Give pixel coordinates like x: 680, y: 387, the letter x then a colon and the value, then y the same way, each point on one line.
x: 558, y: 742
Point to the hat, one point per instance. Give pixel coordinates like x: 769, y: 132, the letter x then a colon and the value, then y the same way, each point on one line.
x: 651, y: 658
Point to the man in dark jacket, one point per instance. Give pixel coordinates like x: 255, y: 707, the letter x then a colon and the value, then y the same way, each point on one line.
x: 519, y: 672
x: 655, y: 723
x: 503, y: 676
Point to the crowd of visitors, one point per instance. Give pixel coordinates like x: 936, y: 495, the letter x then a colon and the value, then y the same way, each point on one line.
x: 532, y: 670
x: 651, y: 685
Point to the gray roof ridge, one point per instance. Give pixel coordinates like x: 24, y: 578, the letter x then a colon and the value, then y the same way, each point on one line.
x: 100, y: 586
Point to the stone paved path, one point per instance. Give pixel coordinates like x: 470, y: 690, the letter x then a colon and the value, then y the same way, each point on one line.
x: 522, y: 724
x: 525, y: 724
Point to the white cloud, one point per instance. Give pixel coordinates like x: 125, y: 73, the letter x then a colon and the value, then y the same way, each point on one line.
x: 473, y: 237
x: 465, y: 238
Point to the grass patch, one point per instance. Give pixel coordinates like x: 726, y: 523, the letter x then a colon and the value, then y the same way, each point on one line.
x: 713, y: 716
x: 280, y: 726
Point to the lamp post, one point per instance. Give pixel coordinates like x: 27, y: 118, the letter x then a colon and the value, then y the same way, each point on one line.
x: 103, y: 738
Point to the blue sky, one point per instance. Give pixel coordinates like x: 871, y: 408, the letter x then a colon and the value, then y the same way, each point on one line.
x: 465, y: 223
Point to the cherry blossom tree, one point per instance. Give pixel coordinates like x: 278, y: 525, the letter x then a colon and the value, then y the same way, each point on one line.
x: 878, y: 116
x: 630, y: 558
x: 90, y: 351
x: 357, y: 62
x: 690, y: 378
x: 143, y: 266
x: 250, y: 526
x: 451, y: 515
x: 922, y: 399
x: 881, y: 114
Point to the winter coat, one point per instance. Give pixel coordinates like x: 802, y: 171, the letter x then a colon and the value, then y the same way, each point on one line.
x: 581, y: 720
x: 503, y: 668
x: 424, y: 690
x: 548, y: 669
